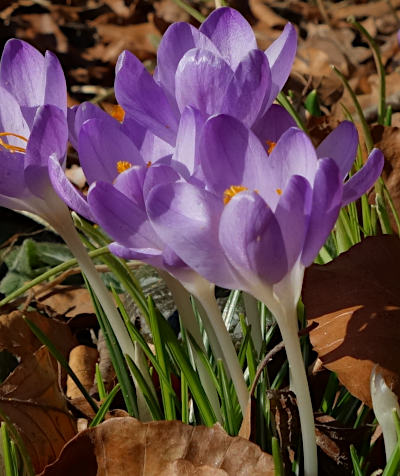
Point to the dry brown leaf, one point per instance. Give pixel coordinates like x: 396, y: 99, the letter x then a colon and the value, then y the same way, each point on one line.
x: 265, y: 14
x: 136, y: 38
x: 67, y: 300
x: 375, y: 9
x: 31, y: 398
x: 17, y: 338
x: 334, y: 440
x: 122, y: 446
x: 388, y: 140
x: 355, y: 299
x: 82, y: 360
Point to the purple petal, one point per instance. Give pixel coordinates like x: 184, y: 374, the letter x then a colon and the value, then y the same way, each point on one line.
x: 12, y: 181
x: 230, y: 154
x: 230, y: 33
x: 187, y: 141
x: 280, y: 56
x: 293, y: 213
x: 151, y: 147
x: 140, y: 96
x: 130, y: 183
x: 186, y: 218
x: 157, y: 175
x: 22, y: 72
x: 124, y: 221
x: 273, y: 124
x: 154, y: 257
x: 293, y: 154
x: 12, y: 120
x: 177, y: 40
x: 341, y: 146
x: 364, y: 179
x: 77, y: 115
x: 56, y: 89
x: 249, y: 86
x: 66, y: 191
x: 48, y: 138
x: 101, y: 146
x: 252, y: 240
x: 201, y: 81
x: 326, y: 203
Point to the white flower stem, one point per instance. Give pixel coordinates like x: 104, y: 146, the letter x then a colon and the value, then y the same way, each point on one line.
x: 287, y: 321
x: 66, y: 229
x: 190, y: 323
x: 384, y: 404
x: 254, y: 319
x: 220, y: 340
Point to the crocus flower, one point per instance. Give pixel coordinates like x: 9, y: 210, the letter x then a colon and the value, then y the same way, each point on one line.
x: 33, y: 127
x: 263, y: 213
x: 215, y: 69
x: 34, y: 130
x: 261, y: 220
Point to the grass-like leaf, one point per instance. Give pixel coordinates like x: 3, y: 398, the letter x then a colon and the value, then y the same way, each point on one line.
x: 117, y: 358
x: 61, y: 359
x: 99, y: 417
x: 151, y: 400
x: 162, y: 358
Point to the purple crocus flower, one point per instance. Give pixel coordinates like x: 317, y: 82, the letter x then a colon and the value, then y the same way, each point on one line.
x: 33, y: 127
x: 106, y: 148
x: 34, y: 130
x: 261, y: 220
x: 215, y: 69
x: 259, y: 216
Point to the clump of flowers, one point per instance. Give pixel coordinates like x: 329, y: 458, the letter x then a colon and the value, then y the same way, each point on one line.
x: 204, y: 178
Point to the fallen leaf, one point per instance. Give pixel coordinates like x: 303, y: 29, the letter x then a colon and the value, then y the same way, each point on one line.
x: 122, y: 446
x: 334, y: 440
x: 68, y: 301
x: 355, y: 299
x: 82, y: 360
x: 17, y: 338
x: 387, y: 139
x: 31, y: 398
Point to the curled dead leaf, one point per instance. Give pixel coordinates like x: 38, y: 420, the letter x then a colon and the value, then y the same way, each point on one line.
x: 16, y: 337
x: 32, y: 400
x: 355, y: 299
x: 82, y: 360
x: 122, y: 446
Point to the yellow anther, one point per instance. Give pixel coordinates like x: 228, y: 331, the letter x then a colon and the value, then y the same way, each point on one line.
x: 232, y: 191
x: 117, y: 112
x: 148, y: 164
x: 123, y: 165
x: 12, y: 148
x: 271, y: 146
x: 278, y: 191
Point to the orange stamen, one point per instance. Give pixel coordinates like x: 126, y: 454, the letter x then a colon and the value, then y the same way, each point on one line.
x: 278, y: 191
x: 12, y: 148
x: 232, y: 191
x: 117, y: 112
x: 148, y: 164
x: 271, y: 146
x: 123, y: 165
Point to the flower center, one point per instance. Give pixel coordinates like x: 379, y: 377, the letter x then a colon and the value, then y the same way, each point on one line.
x: 12, y: 148
x: 278, y: 191
x: 232, y: 191
x: 117, y: 112
x: 271, y: 145
x: 123, y: 165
